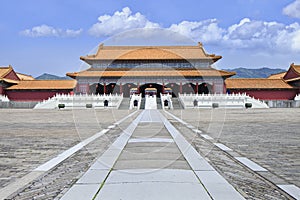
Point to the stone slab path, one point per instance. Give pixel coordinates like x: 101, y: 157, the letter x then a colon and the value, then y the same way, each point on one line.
x: 151, y: 160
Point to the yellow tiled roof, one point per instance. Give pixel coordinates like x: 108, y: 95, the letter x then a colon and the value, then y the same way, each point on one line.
x: 277, y: 76
x: 8, y: 80
x: 150, y: 53
x: 25, y: 77
x: 296, y: 68
x: 4, y: 71
x: 293, y: 79
x: 152, y: 73
x: 257, y: 83
x: 44, y: 85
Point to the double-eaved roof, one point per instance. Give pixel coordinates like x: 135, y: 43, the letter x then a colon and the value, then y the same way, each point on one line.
x: 150, y: 53
x: 152, y: 73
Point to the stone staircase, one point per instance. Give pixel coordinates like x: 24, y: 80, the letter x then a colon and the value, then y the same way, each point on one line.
x: 158, y: 100
x: 143, y: 103
x: 176, y: 104
x: 124, y: 104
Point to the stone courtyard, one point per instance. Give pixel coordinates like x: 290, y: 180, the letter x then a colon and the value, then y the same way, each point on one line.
x: 269, y: 137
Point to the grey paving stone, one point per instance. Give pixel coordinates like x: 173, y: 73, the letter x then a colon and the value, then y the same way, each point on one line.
x: 79, y: 192
x: 150, y: 191
x: 252, y: 165
x: 293, y: 190
x: 223, y: 147
x: 152, y: 175
x: 217, y: 186
x: 93, y: 177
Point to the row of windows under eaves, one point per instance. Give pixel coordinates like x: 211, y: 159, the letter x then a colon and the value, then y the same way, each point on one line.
x: 150, y: 64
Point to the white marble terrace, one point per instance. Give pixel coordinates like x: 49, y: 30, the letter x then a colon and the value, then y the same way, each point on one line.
x: 81, y: 101
x: 4, y: 98
x: 219, y: 100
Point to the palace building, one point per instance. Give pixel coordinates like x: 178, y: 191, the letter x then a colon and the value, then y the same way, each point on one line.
x: 181, y: 69
x: 22, y: 87
x: 166, y: 69
x: 282, y: 86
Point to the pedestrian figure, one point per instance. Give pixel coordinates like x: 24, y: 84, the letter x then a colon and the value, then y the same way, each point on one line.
x: 195, y: 103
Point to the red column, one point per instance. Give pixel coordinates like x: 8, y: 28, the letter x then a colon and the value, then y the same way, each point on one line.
x: 1, y: 90
x: 213, y: 88
x: 196, y: 88
x: 138, y: 87
x: 163, y: 88
x: 87, y: 88
x: 121, y: 89
x: 104, y: 88
x: 180, y: 88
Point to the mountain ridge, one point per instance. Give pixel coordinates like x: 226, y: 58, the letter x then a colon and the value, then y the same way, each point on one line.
x: 263, y: 72
x: 46, y: 76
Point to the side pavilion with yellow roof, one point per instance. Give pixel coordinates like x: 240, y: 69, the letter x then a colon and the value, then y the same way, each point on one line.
x: 281, y: 86
x: 23, y: 87
x: 184, y: 69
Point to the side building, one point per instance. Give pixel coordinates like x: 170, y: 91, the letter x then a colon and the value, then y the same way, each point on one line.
x: 282, y: 86
x: 22, y: 87
x: 182, y: 69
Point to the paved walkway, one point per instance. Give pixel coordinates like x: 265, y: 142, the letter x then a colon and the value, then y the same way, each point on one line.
x: 151, y: 160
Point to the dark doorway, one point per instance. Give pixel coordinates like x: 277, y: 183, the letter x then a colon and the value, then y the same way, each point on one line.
x: 203, y: 88
x: 112, y: 88
x: 151, y: 85
x: 97, y: 88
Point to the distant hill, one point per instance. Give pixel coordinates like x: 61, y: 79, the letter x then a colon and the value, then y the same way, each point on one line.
x: 46, y: 76
x: 254, y: 73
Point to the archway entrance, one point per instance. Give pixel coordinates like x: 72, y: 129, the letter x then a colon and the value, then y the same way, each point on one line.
x: 112, y: 88
x: 126, y: 89
x: 97, y: 88
x: 151, y: 85
x: 188, y: 88
x: 175, y: 88
x: 204, y: 88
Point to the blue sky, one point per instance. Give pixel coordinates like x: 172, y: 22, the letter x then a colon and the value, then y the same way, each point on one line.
x: 38, y: 36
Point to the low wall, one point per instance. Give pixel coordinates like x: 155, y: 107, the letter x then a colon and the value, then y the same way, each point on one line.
x: 283, y: 103
x: 18, y: 104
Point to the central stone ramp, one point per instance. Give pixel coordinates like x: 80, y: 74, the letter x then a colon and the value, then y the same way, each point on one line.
x: 151, y: 166
x: 151, y: 147
x: 151, y: 160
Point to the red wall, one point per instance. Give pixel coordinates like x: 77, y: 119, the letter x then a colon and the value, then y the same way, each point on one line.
x: 1, y: 90
x: 12, y: 75
x: 33, y: 95
x: 269, y: 94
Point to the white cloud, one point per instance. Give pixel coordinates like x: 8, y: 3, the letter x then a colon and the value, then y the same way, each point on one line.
x: 204, y: 31
x: 108, y: 25
x: 269, y: 36
x: 293, y: 9
x: 246, y: 34
x: 254, y: 34
x: 49, y: 31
